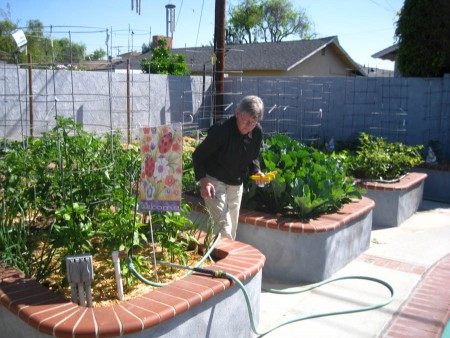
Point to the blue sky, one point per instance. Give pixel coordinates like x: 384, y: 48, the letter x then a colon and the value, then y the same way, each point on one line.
x: 363, y: 27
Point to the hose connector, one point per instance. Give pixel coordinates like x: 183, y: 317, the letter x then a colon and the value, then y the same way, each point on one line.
x: 220, y: 274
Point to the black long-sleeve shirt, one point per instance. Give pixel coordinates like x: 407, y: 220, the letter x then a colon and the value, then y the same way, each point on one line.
x: 226, y: 154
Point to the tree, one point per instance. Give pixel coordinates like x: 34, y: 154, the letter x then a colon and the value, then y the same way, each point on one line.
x: 271, y: 20
x: 146, y: 48
x: 7, y: 44
x: 67, y: 52
x: 282, y: 20
x: 163, y: 62
x: 6, y: 14
x: 33, y: 34
x: 423, y: 37
x: 244, y: 21
x: 98, y: 54
x: 38, y: 45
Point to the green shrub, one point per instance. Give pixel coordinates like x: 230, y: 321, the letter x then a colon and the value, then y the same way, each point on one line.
x: 190, y: 184
x: 377, y: 159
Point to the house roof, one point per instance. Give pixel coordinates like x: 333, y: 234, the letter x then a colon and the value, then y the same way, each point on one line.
x: 274, y: 56
x: 389, y: 53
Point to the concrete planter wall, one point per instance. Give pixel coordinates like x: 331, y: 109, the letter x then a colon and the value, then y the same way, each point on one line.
x: 305, y: 252
x: 395, y: 202
x: 308, y: 252
x: 197, y: 305
x: 437, y: 184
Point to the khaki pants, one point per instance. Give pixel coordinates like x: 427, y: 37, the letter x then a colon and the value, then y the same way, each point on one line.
x: 224, y: 207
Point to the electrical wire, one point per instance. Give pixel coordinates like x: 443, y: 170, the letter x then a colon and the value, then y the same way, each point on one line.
x: 179, y: 14
x: 199, y: 23
x: 391, y: 10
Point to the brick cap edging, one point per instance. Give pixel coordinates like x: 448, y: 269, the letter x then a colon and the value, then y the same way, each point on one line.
x: 407, y: 182
x: 328, y: 222
x: 54, y: 315
x: 324, y: 223
x: 430, y: 300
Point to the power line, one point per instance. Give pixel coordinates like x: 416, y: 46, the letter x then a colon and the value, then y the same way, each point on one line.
x: 199, y: 23
x: 391, y: 10
x: 179, y: 13
x: 389, y: 4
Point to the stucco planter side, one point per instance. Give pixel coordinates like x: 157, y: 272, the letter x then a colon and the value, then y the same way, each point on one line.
x: 437, y: 184
x: 308, y: 252
x: 194, y: 306
x: 395, y: 202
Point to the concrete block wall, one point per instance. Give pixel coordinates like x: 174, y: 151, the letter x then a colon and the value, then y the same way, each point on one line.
x: 98, y: 100
x: 311, y: 109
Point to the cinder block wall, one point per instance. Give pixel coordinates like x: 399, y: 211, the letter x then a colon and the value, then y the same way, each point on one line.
x: 311, y: 109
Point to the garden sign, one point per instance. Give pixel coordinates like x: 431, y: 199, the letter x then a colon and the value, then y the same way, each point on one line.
x: 160, y: 182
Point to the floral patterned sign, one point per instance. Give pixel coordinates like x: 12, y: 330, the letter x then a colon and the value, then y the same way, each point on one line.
x: 161, y: 172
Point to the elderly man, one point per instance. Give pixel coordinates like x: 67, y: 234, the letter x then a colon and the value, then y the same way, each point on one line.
x: 227, y: 155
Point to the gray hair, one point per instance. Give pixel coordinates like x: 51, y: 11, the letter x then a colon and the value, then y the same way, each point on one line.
x: 253, y: 106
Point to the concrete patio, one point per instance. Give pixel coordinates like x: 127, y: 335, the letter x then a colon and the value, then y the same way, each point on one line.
x: 414, y: 258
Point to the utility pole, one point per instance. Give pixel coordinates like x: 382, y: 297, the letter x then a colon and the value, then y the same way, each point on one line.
x: 219, y: 51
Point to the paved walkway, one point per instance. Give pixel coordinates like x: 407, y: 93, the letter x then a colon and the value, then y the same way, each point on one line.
x: 414, y: 258
x: 427, y: 310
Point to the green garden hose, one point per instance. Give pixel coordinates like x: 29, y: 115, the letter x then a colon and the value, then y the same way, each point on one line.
x: 324, y: 314
x: 155, y: 284
x: 222, y: 274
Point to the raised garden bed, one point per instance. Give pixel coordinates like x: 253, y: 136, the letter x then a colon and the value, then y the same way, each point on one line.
x: 437, y: 183
x: 395, y: 202
x: 196, y: 305
x: 311, y: 251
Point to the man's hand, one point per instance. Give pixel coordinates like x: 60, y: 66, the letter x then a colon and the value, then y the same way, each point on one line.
x: 207, y: 189
x: 260, y: 182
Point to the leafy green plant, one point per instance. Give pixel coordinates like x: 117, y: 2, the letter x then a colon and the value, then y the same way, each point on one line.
x: 120, y: 227
x: 172, y: 232
x: 190, y: 184
x: 308, y: 183
x: 13, y: 239
x: 206, y: 227
x: 72, y: 229
x: 377, y: 159
x: 55, y: 189
x: 23, y: 247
